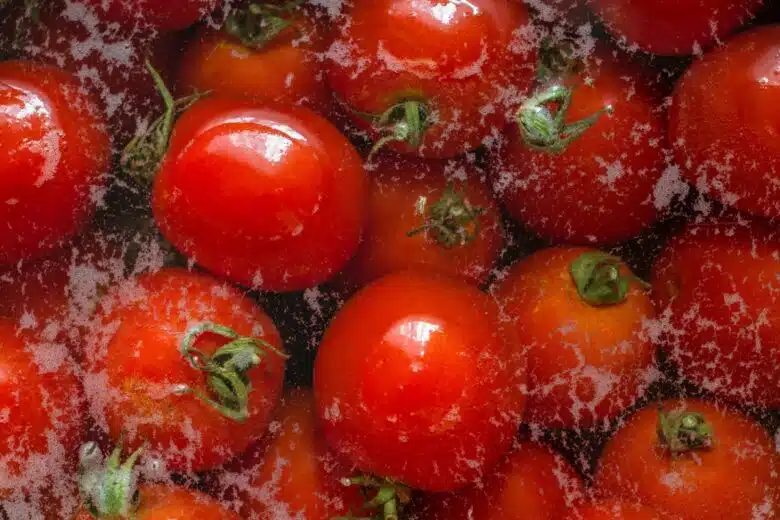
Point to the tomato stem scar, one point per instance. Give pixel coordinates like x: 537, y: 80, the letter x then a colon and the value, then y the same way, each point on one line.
x: 683, y: 431
x: 257, y: 25
x: 452, y: 220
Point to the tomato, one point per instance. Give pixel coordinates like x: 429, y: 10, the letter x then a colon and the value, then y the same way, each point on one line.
x: 455, y: 224
x: 531, y: 483
x: 673, y: 27
x: 436, y: 78
x: 42, y: 421
x: 293, y: 470
x: 56, y: 154
x: 152, y: 15
x: 272, y: 198
x: 592, y: 181
x: 588, y: 356
x: 612, y: 510
x: 175, y: 352
x: 247, y: 60
x: 713, y: 287
x: 413, y: 374
x: 706, y: 462
x: 723, y: 138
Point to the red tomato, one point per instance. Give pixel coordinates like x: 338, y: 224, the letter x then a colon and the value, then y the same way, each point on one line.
x: 457, y: 223
x: 444, y: 74
x: 612, y: 510
x: 189, y: 411
x: 152, y: 15
x: 587, y: 361
x: 674, y: 27
x: 724, y: 137
x: 713, y: 290
x: 272, y: 198
x: 56, y: 154
x: 293, y: 470
x: 599, y: 187
x: 413, y: 374
x: 709, y: 463
x: 532, y: 483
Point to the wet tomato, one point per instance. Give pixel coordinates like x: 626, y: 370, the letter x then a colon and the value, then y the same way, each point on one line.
x: 56, y: 155
x: 679, y: 458
x: 187, y: 365
x: 152, y: 15
x: 433, y: 78
x: 613, y: 510
x: 413, y: 374
x: 578, y: 315
x: 272, y: 198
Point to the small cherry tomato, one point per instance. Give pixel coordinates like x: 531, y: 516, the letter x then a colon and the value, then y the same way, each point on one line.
x: 612, y: 510
x: 272, y: 198
x: 692, y: 460
x: 430, y: 213
x: 187, y: 364
x: 56, y: 155
x: 721, y: 122
x: 430, y: 77
x: 532, y: 483
x: 578, y: 316
x: 413, y: 374
x: 152, y: 15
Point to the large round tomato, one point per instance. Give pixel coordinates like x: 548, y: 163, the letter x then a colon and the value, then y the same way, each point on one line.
x: 413, y: 374
x: 187, y: 365
x: 55, y: 153
x: 713, y: 288
x: 588, y: 356
x: 272, y: 198
x: 723, y: 137
x: 531, y: 483
x: 674, y: 27
x: 152, y: 15
x: 586, y: 184
x: 432, y: 77
x: 679, y: 462
x: 433, y: 213
x: 613, y: 510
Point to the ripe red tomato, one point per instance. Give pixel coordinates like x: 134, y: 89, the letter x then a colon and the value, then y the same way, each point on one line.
x: 722, y: 137
x: 706, y: 462
x: 292, y: 470
x: 599, y: 187
x: 187, y: 404
x: 272, y: 198
x: 56, y: 154
x: 456, y: 224
x: 532, y: 483
x: 713, y: 290
x: 413, y: 374
x: 674, y: 27
x: 612, y: 510
x: 152, y: 15
x: 588, y: 359
x: 435, y: 78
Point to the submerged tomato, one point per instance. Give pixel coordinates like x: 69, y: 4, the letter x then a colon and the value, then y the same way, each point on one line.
x: 613, y: 510
x: 272, y: 198
x: 413, y: 374
x: 152, y: 15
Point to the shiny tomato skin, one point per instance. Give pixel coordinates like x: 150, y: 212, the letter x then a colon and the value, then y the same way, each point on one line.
x: 586, y: 364
x: 471, y: 61
x: 613, y: 510
x: 413, y: 374
x: 600, y: 190
x: 272, y: 198
x: 713, y: 289
x: 740, y: 469
x: 396, y: 185
x: 723, y: 137
x: 152, y: 15
x: 531, y: 483
x: 674, y: 27
x: 135, y: 353
x: 57, y: 153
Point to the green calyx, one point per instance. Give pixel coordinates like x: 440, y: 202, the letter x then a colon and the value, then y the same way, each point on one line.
x: 599, y: 278
x: 683, y: 431
x: 452, y: 220
x: 256, y: 25
x: 109, y: 488
x: 404, y: 122
x: 226, y: 369
x: 556, y: 60
x: 388, y: 498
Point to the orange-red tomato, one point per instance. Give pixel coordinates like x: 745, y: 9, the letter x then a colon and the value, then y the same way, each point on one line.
x: 136, y: 355
x: 586, y: 363
x: 463, y: 235
x: 612, y: 510
x: 733, y: 475
x: 532, y: 483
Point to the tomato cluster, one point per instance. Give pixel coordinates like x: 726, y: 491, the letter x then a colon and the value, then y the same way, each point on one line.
x: 389, y: 259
